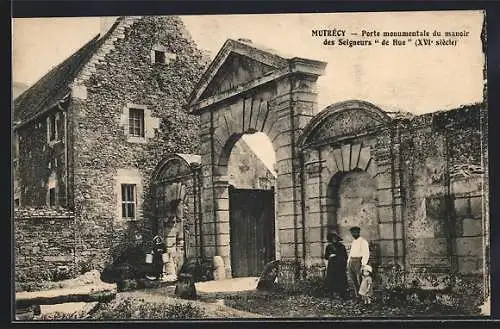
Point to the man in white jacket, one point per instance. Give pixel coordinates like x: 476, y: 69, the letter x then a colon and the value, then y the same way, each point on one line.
x: 358, y: 257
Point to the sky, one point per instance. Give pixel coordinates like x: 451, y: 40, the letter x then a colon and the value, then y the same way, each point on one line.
x: 413, y: 79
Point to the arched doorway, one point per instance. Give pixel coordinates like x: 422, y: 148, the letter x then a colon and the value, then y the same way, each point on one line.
x: 177, y: 215
x: 347, y: 178
x: 247, y: 89
x: 252, y: 179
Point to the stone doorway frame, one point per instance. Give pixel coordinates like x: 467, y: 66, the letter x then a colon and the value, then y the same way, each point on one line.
x: 346, y: 136
x: 279, y: 103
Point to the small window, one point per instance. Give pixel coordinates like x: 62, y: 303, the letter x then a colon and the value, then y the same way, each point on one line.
x: 128, y: 201
x: 159, y: 57
x: 16, y: 146
x: 52, y: 197
x: 52, y: 128
x: 136, y: 122
x: 17, y: 203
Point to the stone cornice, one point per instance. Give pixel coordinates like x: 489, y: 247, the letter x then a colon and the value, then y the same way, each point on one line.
x: 296, y: 66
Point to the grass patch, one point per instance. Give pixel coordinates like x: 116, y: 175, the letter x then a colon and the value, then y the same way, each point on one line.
x: 137, y: 309
x: 308, y: 298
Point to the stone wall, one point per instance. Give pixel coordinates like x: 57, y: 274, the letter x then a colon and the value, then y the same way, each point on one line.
x: 122, y: 73
x: 443, y: 189
x: 45, y: 246
x: 428, y: 176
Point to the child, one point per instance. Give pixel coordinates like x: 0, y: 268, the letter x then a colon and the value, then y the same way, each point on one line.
x: 366, y: 287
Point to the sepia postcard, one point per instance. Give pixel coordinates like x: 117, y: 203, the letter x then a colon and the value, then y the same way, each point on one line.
x: 324, y: 165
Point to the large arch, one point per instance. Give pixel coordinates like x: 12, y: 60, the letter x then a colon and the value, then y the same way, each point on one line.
x: 351, y: 138
x: 341, y: 120
x: 248, y: 89
x: 176, y: 207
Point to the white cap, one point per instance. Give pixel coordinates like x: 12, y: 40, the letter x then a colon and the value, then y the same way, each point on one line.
x: 367, y: 268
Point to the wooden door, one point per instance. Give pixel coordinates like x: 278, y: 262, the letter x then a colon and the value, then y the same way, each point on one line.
x: 252, y: 230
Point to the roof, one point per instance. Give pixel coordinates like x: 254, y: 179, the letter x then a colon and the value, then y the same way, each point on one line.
x: 240, y: 46
x: 18, y: 88
x: 55, y: 85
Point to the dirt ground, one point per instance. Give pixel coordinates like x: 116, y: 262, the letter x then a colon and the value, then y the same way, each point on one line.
x: 261, y: 304
x: 276, y: 304
x: 238, y: 298
x: 212, y: 307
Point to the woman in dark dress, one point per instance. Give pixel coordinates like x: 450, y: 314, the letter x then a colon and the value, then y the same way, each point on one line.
x: 336, y: 273
x: 159, y: 249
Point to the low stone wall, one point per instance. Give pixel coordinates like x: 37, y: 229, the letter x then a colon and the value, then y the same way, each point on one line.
x: 44, y: 246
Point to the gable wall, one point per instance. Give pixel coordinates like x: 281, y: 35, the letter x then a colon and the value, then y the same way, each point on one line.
x: 119, y: 74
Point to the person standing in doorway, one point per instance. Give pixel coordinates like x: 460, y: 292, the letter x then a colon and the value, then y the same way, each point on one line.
x: 358, y: 258
x: 336, y: 274
x: 159, y: 249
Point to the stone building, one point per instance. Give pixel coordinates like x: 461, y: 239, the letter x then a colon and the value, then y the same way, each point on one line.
x: 103, y: 152
x: 90, y: 134
x: 417, y: 185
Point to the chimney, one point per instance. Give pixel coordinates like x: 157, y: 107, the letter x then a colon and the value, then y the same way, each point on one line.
x: 106, y: 23
x: 245, y: 40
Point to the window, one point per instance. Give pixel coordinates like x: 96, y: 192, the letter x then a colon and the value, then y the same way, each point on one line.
x: 16, y: 151
x: 136, y: 122
x: 128, y: 201
x: 52, y: 128
x: 17, y: 203
x: 16, y: 146
x: 54, y: 121
x: 128, y: 191
x: 159, y: 57
x: 52, y: 197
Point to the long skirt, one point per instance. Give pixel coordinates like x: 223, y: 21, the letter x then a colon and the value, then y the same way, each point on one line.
x: 336, y: 278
